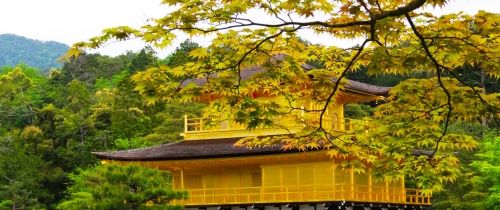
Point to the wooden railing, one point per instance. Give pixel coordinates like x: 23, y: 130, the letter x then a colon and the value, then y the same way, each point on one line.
x: 201, y: 128
x: 304, y: 193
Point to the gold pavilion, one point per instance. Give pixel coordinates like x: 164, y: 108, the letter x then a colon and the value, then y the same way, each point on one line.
x: 219, y: 175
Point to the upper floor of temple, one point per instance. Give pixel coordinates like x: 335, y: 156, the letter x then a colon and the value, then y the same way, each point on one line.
x: 333, y: 119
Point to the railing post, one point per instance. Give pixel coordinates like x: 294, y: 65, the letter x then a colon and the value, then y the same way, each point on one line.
x: 343, y: 191
x: 352, y: 183
x: 261, y: 193
x: 403, y: 192
x: 300, y: 194
x: 386, y: 191
x: 287, y: 197
x: 182, y: 178
x: 334, y: 180
x: 185, y: 123
x: 370, y: 185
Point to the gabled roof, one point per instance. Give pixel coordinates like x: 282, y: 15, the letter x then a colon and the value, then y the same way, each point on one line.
x: 355, y: 86
x: 191, y: 149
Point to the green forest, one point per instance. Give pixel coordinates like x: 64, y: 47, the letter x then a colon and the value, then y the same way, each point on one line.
x: 51, y: 123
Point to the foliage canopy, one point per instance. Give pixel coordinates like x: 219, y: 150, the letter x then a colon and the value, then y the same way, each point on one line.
x: 50, y: 124
x: 121, y: 187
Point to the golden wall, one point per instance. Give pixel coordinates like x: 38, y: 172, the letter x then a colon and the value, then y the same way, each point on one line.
x: 287, y: 182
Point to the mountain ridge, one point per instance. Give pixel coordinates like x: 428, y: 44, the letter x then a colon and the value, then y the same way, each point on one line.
x: 15, y: 49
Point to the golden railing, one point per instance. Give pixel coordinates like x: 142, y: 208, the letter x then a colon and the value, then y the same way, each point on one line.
x: 202, y: 128
x: 304, y: 193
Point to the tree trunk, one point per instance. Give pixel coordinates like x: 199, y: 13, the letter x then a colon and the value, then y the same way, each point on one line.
x: 484, y: 120
x: 13, y: 202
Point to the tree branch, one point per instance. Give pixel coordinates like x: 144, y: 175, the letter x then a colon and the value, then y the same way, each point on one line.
x: 375, y: 17
x: 439, y: 76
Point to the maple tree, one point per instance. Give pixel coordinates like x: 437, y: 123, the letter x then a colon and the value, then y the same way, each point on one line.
x: 409, y: 135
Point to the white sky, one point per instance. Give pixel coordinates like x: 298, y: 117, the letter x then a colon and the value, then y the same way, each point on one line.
x: 70, y: 21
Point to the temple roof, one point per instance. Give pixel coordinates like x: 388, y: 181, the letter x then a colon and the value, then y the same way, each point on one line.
x: 192, y: 149
x: 199, y: 149
x: 358, y: 87
x: 366, y: 88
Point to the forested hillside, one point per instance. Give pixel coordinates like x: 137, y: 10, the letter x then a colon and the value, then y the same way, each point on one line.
x: 40, y: 54
x: 50, y: 124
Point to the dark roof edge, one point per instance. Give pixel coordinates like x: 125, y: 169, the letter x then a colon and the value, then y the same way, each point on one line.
x: 107, y: 156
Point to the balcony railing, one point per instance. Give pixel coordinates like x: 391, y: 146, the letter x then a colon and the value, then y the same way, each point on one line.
x: 304, y: 193
x: 202, y: 128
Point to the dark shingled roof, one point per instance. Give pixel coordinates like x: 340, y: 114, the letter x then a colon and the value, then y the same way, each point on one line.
x: 199, y: 149
x: 191, y: 149
x: 367, y: 88
x: 351, y: 84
